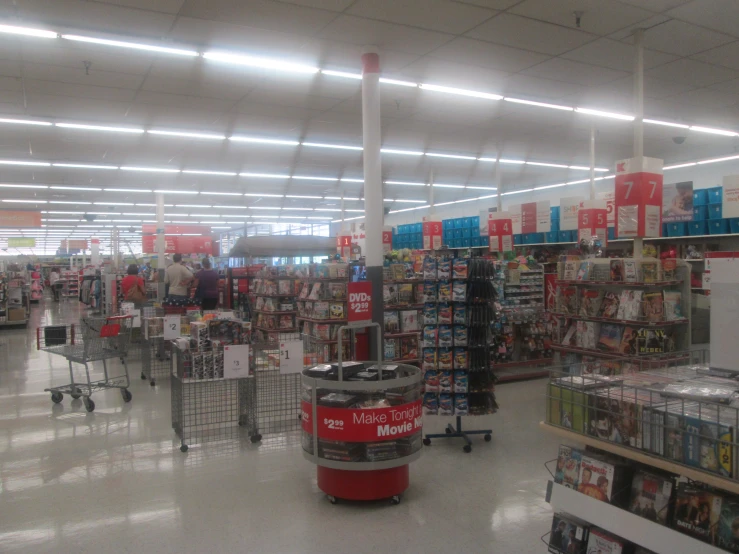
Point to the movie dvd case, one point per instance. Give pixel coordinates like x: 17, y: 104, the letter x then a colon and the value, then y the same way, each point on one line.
x: 583, y: 272
x: 697, y: 512
x: 609, y: 305
x: 673, y: 305
x: 610, y: 337
x: 727, y: 536
x: 601, y: 542
x: 653, y: 306
x: 568, y: 467
x: 617, y: 270
x: 629, y: 304
x: 605, y: 480
x: 651, y: 496
x: 570, y: 270
x: 569, y: 535
x: 590, y: 300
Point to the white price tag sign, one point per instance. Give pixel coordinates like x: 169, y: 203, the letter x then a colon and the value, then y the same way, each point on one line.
x: 171, y: 327
x: 291, y: 356
x: 236, y: 361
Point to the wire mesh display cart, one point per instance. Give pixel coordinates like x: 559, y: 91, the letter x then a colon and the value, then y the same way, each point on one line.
x: 206, y: 406
x: 156, y: 352
x: 103, y: 338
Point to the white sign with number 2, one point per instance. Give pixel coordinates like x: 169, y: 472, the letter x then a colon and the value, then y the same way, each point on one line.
x: 171, y: 327
x: 236, y: 361
x: 291, y: 356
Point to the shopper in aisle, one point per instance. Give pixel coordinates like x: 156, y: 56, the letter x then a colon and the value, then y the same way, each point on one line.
x: 178, y: 277
x: 56, y: 286
x: 206, y: 282
x: 133, y: 286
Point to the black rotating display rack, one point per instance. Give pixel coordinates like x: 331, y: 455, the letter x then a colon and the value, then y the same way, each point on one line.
x: 480, y: 386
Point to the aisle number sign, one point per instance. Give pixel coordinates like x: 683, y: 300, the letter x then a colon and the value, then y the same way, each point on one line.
x: 236, y: 361
x: 172, y: 327
x: 500, y: 231
x: 291, y: 356
x: 344, y: 246
x: 610, y: 200
x: 639, y: 197
x: 431, y: 235
x: 592, y: 221
x: 730, y: 196
x: 387, y: 240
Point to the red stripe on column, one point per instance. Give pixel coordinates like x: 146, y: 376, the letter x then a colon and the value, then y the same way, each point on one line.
x: 370, y: 63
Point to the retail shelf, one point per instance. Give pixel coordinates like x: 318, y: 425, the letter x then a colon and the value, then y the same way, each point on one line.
x: 326, y: 341
x: 626, y: 321
x: 522, y: 363
x: 403, y: 307
x: 639, y: 530
x: 399, y: 335
x: 692, y: 238
x: 292, y: 294
x: 321, y: 279
x: 290, y: 330
x: 267, y: 312
x: 402, y: 281
x: 646, y: 459
x: 403, y: 360
x: 311, y: 320
x: 16, y: 322
x: 620, y: 283
x: 590, y: 352
x: 697, y: 260
x: 362, y: 466
x: 522, y: 375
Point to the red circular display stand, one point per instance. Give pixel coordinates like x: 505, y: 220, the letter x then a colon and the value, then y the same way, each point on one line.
x: 363, y: 485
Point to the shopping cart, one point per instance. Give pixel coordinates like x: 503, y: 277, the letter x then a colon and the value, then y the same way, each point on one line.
x: 103, y: 338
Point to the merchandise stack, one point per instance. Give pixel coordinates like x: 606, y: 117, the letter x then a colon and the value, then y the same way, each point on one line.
x: 621, y: 309
x: 274, y: 309
x: 322, y: 309
x: 402, y: 295
x: 71, y: 281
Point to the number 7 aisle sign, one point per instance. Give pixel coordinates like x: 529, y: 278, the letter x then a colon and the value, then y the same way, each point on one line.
x: 639, y: 197
x: 500, y: 231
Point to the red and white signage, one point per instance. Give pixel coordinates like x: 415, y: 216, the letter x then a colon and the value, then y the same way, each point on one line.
x: 387, y: 241
x: 638, y: 195
x: 730, y: 196
x: 592, y: 221
x: 181, y: 245
x: 150, y: 229
x: 431, y: 234
x: 342, y: 424
x: 568, y: 208
x: 19, y: 219
x: 74, y: 244
x: 344, y: 246
x: 500, y: 231
x: 610, y: 200
x: 360, y: 302
x: 531, y: 217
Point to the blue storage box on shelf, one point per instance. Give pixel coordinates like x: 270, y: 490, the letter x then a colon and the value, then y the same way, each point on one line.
x: 552, y: 236
x: 554, y: 226
x: 445, y: 224
x: 715, y: 211
x: 458, y: 223
x: 664, y: 229
x: 696, y: 228
x: 734, y: 225
x: 718, y: 226
x: 700, y: 213
x: 611, y: 233
x: 465, y: 222
x: 554, y: 212
x: 565, y: 236
x: 700, y: 197
x: 466, y: 233
x: 475, y: 222
x: 676, y: 229
x: 715, y: 195
x: 484, y: 241
x: 466, y: 242
x: 457, y: 233
x: 517, y: 239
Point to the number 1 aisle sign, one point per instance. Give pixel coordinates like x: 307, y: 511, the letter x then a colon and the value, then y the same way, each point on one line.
x: 500, y: 231
x: 639, y: 197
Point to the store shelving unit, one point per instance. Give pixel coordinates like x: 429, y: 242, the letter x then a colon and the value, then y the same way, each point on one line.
x: 273, y: 304
x: 402, y: 306
x: 238, y: 286
x: 71, y: 281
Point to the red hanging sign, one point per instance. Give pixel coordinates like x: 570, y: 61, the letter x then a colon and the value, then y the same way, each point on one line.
x: 638, y: 198
x: 151, y: 229
x: 432, y: 235
x: 181, y: 245
x: 500, y: 231
x: 355, y: 425
x: 528, y: 218
x: 360, y: 302
x: 344, y: 246
x: 592, y: 222
x: 387, y: 241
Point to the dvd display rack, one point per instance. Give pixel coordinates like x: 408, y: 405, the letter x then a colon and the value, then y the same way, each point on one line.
x: 71, y: 281
x: 238, y: 286
x: 402, y: 296
x: 458, y: 311
x: 622, y: 308
x: 661, y: 469
x: 274, y: 292
x: 322, y: 309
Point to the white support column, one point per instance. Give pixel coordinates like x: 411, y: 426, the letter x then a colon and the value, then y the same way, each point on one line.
x: 160, y: 246
x: 638, y: 112
x: 432, y: 210
x: 498, y: 186
x: 373, y: 203
x: 592, y: 161
x: 343, y: 216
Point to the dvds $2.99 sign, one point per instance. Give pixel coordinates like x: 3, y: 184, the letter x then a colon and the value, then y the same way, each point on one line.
x: 360, y: 302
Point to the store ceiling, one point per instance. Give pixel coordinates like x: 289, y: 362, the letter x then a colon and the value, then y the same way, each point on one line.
x: 528, y: 49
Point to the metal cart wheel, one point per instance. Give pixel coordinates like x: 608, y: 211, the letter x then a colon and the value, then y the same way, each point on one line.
x: 126, y: 394
x: 467, y: 448
x: 143, y: 377
x: 76, y: 394
x: 56, y: 397
x: 152, y: 383
x: 89, y: 404
x: 255, y: 438
x: 331, y: 499
x: 395, y: 500
x: 448, y: 431
x: 488, y: 437
x: 183, y: 448
x: 427, y: 442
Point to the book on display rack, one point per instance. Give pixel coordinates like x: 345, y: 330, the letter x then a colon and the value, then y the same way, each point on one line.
x: 274, y: 292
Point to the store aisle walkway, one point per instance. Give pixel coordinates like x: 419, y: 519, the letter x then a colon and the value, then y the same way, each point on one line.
x: 114, y: 481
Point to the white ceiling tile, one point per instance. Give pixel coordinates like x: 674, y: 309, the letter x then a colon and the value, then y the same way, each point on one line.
x: 656, y: 6
x: 693, y: 72
x: 543, y: 90
x: 437, y: 15
x: 528, y: 34
x: 704, y: 96
x: 627, y: 33
x: 727, y: 55
x: 598, y: 17
x: 209, y: 88
x: 289, y: 98
x: 573, y: 72
x: 80, y: 76
x: 441, y: 72
x: 356, y: 30
x: 615, y: 55
x: 653, y: 87
x: 164, y: 6
x: 81, y: 109
x: 720, y: 15
x: 692, y: 39
x: 80, y: 90
x: 260, y: 14
x: 486, y: 54
x: 183, y: 101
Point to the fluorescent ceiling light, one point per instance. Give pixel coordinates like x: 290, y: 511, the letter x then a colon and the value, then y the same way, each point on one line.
x: 204, y: 215
x: 453, y: 156
x: 406, y: 183
x: 577, y: 182
x: 133, y: 45
x: 337, y: 146
x: 714, y: 160
x: 409, y: 209
x: 54, y: 212
x: 516, y: 192
x: 265, y: 195
x: 264, y: 208
x: 551, y: 186
x: 129, y: 190
x: 347, y: 180
x: 253, y: 61
x: 150, y: 169
x: 309, y: 178
x: 27, y: 31
x: 229, y: 207
x: 99, y: 128
x: 221, y: 227
x: 223, y: 193
x: 678, y: 166
x: 580, y: 167
x: 21, y: 162
x: 327, y: 210
x: 187, y: 135
x: 387, y: 81
x: 200, y: 172
x: 487, y: 159
x: 713, y: 131
x: 666, y: 123
x: 154, y: 205
x: 193, y: 206
x: 539, y: 104
x: 265, y: 175
x: 600, y: 113
x: 509, y: 161
x: 461, y: 92
x: 74, y: 188
x: 26, y: 201
x: 24, y: 186
x: 297, y: 196
x: 543, y: 164
x: 448, y: 186
x: 481, y: 188
x: 25, y: 121
x: 176, y: 191
x: 341, y: 74
x: 136, y: 213
x: 86, y: 166
x: 115, y: 204
x: 402, y: 152
x: 404, y: 201
x: 298, y: 209
x: 258, y: 140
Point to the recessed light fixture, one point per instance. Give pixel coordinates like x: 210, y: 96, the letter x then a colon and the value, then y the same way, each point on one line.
x: 259, y: 140
x: 203, y: 172
x: 22, y: 162
x: 128, y: 190
x: 337, y: 146
x: 24, y: 186
x: 452, y: 156
x: 176, y: 191
x: 265, y: 175
x: 26, y: 201
x: 86, y: 166
x: 401, y: 152
x: 25, y: 121
x: 510, y: 161
x: 311, y: 178
x: 74, y: 188
x: 149, y: 169
x: 406, y: 183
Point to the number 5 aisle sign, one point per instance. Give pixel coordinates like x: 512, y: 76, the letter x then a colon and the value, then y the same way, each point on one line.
x: 592, y: 221
x: 500, y: 231
x: 639, y: 197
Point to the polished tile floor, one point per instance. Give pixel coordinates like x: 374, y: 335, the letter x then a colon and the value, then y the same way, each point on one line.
x: 115, y: 481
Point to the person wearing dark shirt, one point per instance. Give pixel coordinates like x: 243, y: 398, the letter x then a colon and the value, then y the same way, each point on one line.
x: 132, y: 286
x: 207, y: 286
